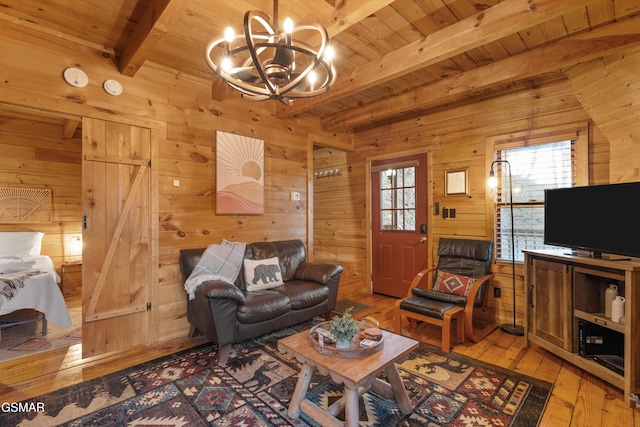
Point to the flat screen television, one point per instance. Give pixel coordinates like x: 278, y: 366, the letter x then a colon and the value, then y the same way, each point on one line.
x: 601, y: 219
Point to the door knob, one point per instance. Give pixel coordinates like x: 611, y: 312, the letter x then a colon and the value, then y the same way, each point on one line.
x: 423, y: 239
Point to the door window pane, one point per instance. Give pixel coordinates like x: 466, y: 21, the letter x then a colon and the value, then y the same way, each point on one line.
x: 398, y: 198
x: 387, y: 220
x: 410, y: 177
x: 409, y: 219
x: 385, y: 199
x: 410, y: 197
x: 386, y: 178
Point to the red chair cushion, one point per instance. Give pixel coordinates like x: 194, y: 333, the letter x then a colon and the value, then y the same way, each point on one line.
x: 455, y: 284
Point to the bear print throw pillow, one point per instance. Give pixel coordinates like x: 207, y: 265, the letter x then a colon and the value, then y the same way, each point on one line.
x: 261, y: 274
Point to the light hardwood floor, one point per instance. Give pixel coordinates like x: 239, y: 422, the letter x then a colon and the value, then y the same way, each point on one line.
x: 578, y: 398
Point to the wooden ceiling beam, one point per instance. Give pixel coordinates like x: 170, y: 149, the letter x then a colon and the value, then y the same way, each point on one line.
x: 69, y: 128
x: 348, y: 13
x: 503, y: 19
x: 562, y: 54
x: 153, y: 26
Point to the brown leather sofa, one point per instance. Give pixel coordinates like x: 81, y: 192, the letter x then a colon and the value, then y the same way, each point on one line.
x: 228, y: 314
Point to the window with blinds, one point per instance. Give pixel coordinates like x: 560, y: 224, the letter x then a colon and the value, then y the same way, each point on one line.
x: 533, y: 169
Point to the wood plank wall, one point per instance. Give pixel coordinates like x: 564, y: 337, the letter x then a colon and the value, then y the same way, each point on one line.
x: 34, y: 153
x: 338, y: 230
x: 455, y: 137
x: 609, y: 90
x: 182, y: 115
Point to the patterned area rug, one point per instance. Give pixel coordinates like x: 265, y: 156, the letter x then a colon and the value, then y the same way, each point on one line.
x: 188, y: 389
x: 27, y: 339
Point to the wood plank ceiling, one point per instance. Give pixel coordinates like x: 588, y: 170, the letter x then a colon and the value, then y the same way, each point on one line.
x: 394, y: 58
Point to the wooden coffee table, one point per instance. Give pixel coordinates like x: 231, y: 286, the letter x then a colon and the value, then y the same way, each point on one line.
x: 358, y: 376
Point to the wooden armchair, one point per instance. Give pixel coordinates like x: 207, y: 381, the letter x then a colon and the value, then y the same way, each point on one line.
x: 457, y: 286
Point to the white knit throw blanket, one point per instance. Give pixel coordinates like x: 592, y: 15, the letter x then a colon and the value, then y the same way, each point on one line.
x: 10, y: 283
x: 218, y: 262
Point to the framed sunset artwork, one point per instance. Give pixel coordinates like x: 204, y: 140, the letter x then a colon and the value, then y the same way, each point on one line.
x: 239, y: 174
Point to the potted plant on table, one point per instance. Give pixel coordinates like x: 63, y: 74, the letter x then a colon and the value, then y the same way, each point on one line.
x: 343, y: 328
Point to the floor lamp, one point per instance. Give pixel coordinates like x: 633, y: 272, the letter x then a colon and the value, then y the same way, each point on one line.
x: 509, y: 328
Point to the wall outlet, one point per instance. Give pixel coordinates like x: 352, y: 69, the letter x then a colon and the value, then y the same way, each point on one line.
x: 295, y: 196
x: 497, y: 292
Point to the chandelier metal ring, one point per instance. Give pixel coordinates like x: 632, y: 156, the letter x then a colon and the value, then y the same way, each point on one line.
x: 259, y: 76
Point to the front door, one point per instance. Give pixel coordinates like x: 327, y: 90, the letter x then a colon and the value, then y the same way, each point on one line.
x: 117, y: 252
x: 399, y: 222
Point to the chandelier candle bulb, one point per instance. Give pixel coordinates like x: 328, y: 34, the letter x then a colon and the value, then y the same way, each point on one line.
x: 229, y: 35
x: 312, y: 79
x: 288, y: 28
x: 225, y: 64
x: 329, y: 53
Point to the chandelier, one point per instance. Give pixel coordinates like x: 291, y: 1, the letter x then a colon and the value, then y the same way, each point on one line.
x: 268, y: 63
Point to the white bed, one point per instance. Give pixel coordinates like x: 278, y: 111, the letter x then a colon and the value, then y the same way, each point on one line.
x: 38, y: 292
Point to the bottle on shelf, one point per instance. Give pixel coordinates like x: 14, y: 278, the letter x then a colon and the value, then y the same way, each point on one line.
x: 617, y: 308
x: 609, y: 295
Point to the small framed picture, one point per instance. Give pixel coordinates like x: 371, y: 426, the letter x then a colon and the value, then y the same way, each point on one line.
x: 456, y: 182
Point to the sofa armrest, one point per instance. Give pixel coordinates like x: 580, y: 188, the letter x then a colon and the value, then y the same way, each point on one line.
x: 213, y: 311
x: 319, y: 272
x: 217, y: 289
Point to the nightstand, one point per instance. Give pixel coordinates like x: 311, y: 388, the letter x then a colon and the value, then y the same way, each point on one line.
x: 71, y: 278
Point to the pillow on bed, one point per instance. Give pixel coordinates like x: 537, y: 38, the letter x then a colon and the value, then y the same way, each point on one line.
x: 13, y: 264
x: 20, y: 243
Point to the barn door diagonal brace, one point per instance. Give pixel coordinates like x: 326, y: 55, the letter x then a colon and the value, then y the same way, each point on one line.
x: 91, y: 314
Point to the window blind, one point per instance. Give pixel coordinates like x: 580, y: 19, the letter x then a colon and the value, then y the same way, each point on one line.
x: 533, y: 169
